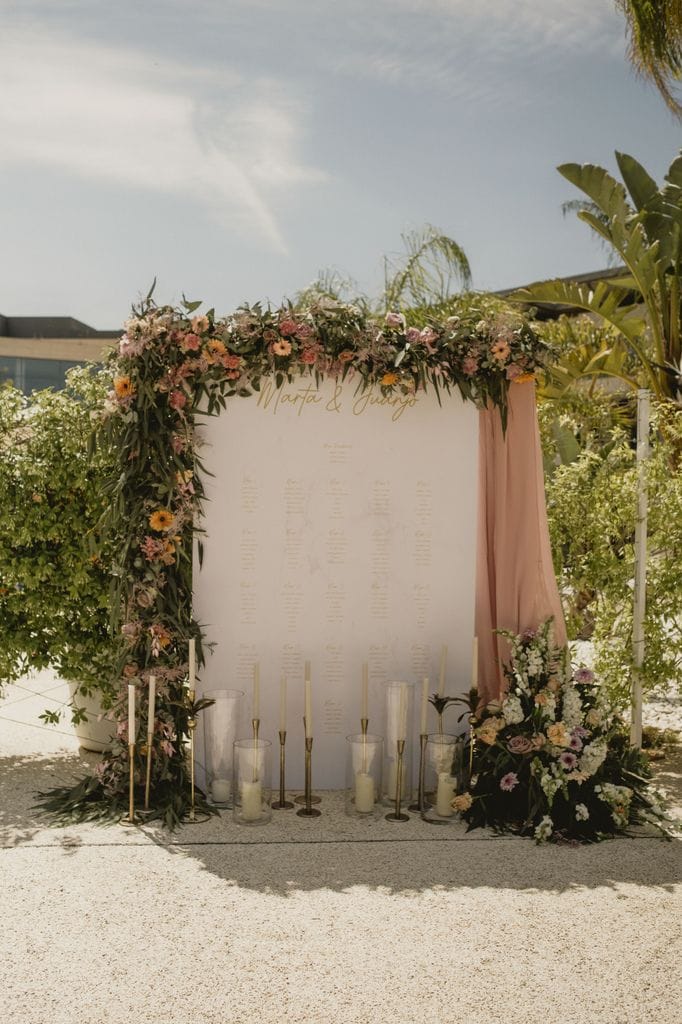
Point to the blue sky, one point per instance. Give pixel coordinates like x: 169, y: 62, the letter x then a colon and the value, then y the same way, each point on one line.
x: 234, y: 148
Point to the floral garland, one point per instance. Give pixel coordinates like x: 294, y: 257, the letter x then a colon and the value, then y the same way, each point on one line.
x: 169, y: 364
x: 552, y: 759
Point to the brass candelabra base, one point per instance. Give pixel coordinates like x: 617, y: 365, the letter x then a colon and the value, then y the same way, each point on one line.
x: 308, y: 811
x: 282, y: 804
x: 420, y: 803
x: 397, y: 814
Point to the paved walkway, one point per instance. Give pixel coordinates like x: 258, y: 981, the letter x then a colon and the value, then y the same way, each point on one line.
x: 319, y: 921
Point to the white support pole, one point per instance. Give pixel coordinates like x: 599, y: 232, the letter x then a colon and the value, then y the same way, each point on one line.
x: 640, y: 568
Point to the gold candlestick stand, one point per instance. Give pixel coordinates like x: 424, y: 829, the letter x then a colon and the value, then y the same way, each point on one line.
x: 193, y: 818
x: 131, y: 818
x: 282, y: 804
x: 364, y: 722
x: 303, y: 798
x: 397, y: 815
x: 471, y: 748
x: 255, y: 724
x: 420, y: 804
x: 148, y: 776
x: 308, y: 811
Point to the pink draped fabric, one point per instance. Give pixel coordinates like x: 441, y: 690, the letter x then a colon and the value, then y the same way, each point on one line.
x: 516, y: 587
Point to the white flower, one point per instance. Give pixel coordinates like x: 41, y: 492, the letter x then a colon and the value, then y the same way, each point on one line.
x: 593, y: 756
x: 535, y: 663
x: 512, y: 712
x: 572, y: 707
x: 544, y: 830
x: 581, y: 812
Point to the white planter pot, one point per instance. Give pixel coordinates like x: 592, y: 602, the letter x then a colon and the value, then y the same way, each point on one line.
x: 92, y: 734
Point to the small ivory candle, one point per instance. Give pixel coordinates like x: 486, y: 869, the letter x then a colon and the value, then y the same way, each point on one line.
x: 365, y: 690
x: 308, y: 716
x: 131, y: 713
x: 474, y: 666
x: 221, y: 791
x: 425, y: 705
x: 402, y: 715
x: 252, y: 800
x: 443, y: 666
x: 444, y: 795
x: 255, y: 706
x: 152, y: 706
x: 191, y: 675
x: 364, y: 792
x: 283, y: 704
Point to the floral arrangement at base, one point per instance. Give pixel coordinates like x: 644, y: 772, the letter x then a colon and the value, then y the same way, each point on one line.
x: 551, y: 759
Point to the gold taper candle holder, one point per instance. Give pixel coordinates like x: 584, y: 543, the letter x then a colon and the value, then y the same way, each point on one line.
x: 191, y: 726
x: 420, y: 803
x: 471, y: 746
x: 131, y: 818
x: 308, y: 811
x: 364, y: 722
x: 282, y: 804
x: 148, y: 775
x: 255, y: 725
x: 302, y: 799
x: 397, y: 814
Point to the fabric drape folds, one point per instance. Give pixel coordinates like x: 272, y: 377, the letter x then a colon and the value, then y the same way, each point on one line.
x: 516, y: 588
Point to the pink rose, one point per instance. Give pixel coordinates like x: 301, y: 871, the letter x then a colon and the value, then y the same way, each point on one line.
x: 519, y: 745
x: 395, y: 320
x: 470, y: 366
x: 413, y: 335
x: 190, y: 343
x: 513, y: 371
x: 308, y: 356
x: 304, y: 331
x: 287, y: 327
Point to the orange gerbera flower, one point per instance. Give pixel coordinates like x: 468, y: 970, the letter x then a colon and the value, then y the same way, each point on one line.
x: 123, y: 387
x: 389, y: 379
x: 216, y: 347
x: 161, y: 520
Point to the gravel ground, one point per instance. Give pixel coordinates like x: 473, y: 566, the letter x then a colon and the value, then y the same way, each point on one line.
x: 326, y: 921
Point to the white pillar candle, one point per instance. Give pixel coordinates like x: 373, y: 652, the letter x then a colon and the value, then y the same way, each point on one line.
x: 252, y: 800
x: 283, y: 704
x: 425, y: 705
x: 402, y: 727
x: 443, y: 666
x: 151, y: 705
x: 308, y: 716
x: 474, y: 667
x: 255, y: 707
x: 364, y: 792
x: 365, y: 690
x: 191, y: 675
x: 131, y: 713
x: 444, y: 795
x: 221, y: 791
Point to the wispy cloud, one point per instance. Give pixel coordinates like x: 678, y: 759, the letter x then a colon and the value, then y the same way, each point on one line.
x: 119, y: 115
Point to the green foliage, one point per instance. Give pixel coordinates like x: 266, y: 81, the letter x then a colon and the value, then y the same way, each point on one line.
x: 591, y: 507
x: 53, y: 590
x: 642, y: 223
x: 654, y: 29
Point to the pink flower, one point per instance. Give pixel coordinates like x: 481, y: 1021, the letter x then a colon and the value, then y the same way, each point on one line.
x: 308, y: 356
x: 428, y: 336
x: 177, y: 444
x: 470, y: 366
x: 568, y: 760
x: 231, y: 362
x: 575, y: 743
x: 233, y: 374
x: 200, y: 324
x: 514, y: 371
x: 287, y: 327
x: 508, y: 781
x: 500, y: 350
x: 152, y: 548
x: 519, y: 745
x: 304, y: 331
x: 413, y: 335
x: 395, y: 320
x: 190, y: 343
x: 583, y: 675
x: 177, y: 400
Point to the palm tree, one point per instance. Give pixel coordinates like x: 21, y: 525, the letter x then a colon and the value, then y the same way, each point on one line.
x: 643, y: 224
x: 654, y: 30
x: 424, y: 275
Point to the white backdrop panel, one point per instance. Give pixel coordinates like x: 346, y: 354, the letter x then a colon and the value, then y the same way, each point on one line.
x: 340, y: 528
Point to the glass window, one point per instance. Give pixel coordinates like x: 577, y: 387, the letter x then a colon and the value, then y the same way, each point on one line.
x: 35, y: 374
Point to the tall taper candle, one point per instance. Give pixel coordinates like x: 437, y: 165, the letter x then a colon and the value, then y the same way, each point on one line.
x: 283, y: 704
x: 131, y: 713
x: 402, y: 727
x: 474, y: 667
x: 152, y: 705
x: 425, y: 702
x: 308, y: 709
x: 255, y: 707
x: 365, y: 690
x: 443, y: 666
x: 191, y: 680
